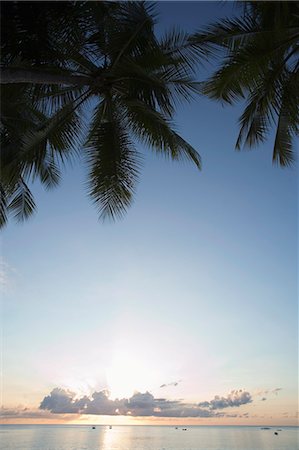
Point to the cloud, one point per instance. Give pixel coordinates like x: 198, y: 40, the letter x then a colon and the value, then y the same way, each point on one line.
x: 6, y: 272
x: 174, y: 383
x: 234, y: 399
x: 62, y: 401
x: 22, y: 412
x: 268, y: 392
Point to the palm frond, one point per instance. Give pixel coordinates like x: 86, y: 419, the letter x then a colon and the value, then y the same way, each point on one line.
x: 48, y: 39
x: 3, y: 206
x: 21, y: 204
x: 48, y: 171
x: 258, y: 57
x: 134, y: 32
x: 62, y: 133
x: 49, y: 99
x: 114, y: 57
x: 233, y: 34
x: 182, y: 88
x: 113, y: 163
x: 288, y: 122
x: 258, y: 115
x: 183, y: 50
x: 187, y: 152
x: 134, y: 81
x: 283, y: 146
x: 155, y: 131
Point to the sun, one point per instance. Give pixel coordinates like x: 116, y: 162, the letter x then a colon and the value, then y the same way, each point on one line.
x: 129, y: 373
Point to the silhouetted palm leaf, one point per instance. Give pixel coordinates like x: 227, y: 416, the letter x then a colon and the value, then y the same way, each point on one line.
x: 114, y: 163
x: 131, y: 79
x: 260, y: 64
x: 21, y: 201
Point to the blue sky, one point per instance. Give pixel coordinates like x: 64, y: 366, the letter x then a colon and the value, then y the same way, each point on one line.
x: 197, y: 283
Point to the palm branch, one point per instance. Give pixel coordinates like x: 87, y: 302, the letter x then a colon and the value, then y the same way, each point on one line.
x: 259, y: 52
x: 116, y: 66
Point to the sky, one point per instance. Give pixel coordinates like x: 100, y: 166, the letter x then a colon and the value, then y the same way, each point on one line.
x: 183, y: 312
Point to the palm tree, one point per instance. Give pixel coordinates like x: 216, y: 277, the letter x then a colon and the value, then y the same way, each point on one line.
x: 260, y: 65
x: 99, y: 60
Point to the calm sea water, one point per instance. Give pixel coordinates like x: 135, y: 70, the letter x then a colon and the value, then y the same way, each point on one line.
x: 52, y: 437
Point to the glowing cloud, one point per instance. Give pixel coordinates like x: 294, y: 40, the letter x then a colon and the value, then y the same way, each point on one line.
x: 61, y: 401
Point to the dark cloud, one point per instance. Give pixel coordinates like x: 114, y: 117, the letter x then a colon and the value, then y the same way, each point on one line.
x: 62, y: 401
x: 100, y: 402
x: 204, y: 404
x: 234, y: 399
x: 174, y: 383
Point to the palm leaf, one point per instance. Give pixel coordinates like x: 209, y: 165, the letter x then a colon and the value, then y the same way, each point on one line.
x: 3, y: 206
x: 135, y: 81
x: 283, y: 145
x: 113, y: 161
x: 22, y: 204
x: 155, y: 131
x: 259, y: 52
x: 288, y: 121
x: 62, y: 132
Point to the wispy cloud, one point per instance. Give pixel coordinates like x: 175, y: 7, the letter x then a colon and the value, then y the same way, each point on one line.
x: 6, y: 272
x: 22, y: 412
x: 61, y: 401
x: 264, y: 392
x: 174, y: 383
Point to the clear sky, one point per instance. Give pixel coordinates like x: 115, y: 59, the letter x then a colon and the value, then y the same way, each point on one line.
x: 193, y: 295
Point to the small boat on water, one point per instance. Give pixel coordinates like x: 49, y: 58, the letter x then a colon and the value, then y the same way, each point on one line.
x: 110, y: 427
x: 93, y: 428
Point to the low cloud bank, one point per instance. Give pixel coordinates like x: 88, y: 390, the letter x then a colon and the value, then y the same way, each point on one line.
x: 234, y: 399
x: 62, y: 401
x: 22, y: 412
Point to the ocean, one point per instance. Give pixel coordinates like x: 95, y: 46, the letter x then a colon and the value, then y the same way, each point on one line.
x: 82, y: 437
